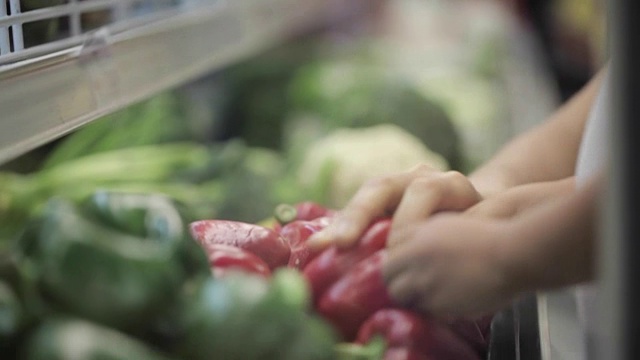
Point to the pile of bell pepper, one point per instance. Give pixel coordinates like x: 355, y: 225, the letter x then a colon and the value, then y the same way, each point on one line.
x: 346, y: 285
x: 117, y: 276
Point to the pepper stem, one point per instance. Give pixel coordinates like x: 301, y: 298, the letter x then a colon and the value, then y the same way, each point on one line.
x: 285, y: 213
x: 373, y: 350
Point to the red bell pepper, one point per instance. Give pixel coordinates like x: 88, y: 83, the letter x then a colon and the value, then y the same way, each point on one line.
x: 309, y: 210
x: 404, y: 354
x: 296, y: 234
x: 475, y: 332
x: 402, y: 329
x: 355, y: 296
x: 306, y: 210
x: 375, y: 238
x: 223, y: 258
x: 333, y: 263
x: 259, y: 240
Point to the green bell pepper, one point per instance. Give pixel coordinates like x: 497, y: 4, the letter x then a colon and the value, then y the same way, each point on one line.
x: 11, y: 313
x: 140, y: 215
x: 120, y: 260
x: 247, y: 317
x: 150, y: 216
x: 66, y: 338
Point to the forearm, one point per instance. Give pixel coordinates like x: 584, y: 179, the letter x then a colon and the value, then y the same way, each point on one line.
x: 522, y: 198
x: 545, y: 153
x: 555, y: 242
x: 531, y: 195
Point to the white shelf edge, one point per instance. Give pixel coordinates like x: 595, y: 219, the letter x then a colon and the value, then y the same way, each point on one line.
x: 45, y: 98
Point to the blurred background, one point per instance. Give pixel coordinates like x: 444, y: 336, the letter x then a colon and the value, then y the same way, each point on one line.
x: 459, y: 76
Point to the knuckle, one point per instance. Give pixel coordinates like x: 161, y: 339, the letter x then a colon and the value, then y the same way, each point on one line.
x: 422, y: 168
x: 455, y: 176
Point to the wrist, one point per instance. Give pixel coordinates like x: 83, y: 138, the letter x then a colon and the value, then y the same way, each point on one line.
x: 548, y: 248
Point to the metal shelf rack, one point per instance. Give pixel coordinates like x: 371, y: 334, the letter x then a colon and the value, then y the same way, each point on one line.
x: 145, y: 47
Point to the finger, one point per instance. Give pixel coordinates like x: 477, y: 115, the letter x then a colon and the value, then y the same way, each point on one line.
x: 423, y: 197
x: 419, y: 243
x: 407, y: 280
x: 399, y: 258
x: 403, y: 290
x: 375, y: 199
x: 378, y: 198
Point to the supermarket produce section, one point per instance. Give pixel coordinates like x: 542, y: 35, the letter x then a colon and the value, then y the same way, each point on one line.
x: 156, y: 194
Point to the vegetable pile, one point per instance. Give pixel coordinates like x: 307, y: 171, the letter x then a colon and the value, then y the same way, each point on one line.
x: 347, y: 288
x: 116, y: 276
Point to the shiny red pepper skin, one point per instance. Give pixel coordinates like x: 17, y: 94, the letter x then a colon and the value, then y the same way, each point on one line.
x: 333, y: 263
x: 355, y: 296
x: 223, y: 258
x: 404, y: 329
x: 263, y: 242
x: 475, y: 332
x: 296, y: 234
x: 375, y: 238
x: 309, y: 210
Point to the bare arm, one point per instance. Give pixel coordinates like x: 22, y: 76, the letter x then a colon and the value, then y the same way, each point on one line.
x: 557, y: 245
x: 545, y: 153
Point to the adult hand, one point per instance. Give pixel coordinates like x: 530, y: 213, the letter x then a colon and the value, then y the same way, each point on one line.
x: 451, y: 265
x: 467, y: 265
x: 410, y: 197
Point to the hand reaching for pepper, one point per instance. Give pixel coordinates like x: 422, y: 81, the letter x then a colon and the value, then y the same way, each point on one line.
x: 469, y: 265
x: 410, y: 196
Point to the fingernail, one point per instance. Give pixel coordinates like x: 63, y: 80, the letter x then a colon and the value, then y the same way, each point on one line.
x: 343, y: 228
x: 318, y: 239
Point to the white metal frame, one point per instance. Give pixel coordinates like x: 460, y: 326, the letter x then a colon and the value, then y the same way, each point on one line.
x: 50, y: 90
x: 16, y: 28
x: 12, y: 18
